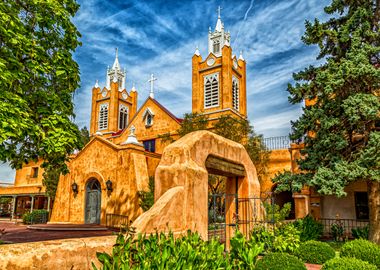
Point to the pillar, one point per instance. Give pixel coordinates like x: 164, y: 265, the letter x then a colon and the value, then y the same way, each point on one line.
x: 32, y: 203
x: 48, y: 205
x: 14, y: 201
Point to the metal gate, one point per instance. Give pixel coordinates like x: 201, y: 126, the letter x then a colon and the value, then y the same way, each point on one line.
x: 228, y: 212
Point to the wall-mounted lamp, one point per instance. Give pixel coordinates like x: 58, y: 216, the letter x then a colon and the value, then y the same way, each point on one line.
x: 109, y: 185
x: 74, y: 187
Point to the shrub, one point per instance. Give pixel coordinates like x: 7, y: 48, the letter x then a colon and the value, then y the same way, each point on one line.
x: 337, y: 231
x: 274, y: 213
x: 35, y: 217
x: 363, y: 250
x: 310, y: 228
x: 360, y: 232
x: 243, y: 253
x: 280, y: 261
x: 315, y: 252
x: 347, y: 264
x: 282, y: 237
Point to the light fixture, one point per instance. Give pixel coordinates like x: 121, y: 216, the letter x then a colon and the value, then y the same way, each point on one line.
x: 74, y: 187
x: 109, y: 185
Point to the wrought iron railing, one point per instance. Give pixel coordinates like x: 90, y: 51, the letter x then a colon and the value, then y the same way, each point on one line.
x: 345, y: 225
x: 116, y: 221
x: 273, y: 143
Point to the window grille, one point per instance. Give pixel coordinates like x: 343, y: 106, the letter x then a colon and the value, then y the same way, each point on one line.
x: 103, y: 117
x: 235, y: 93
x: 211, y: 90
x: 123, y: 117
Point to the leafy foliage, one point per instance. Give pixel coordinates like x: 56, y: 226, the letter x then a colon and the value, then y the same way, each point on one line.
x: 280, y: 261
x: 309, y: 227
x: 337, y: 231
x: 146, y: 198
x: 192, y: 122
x: 85, y: 135
x: 339, y: 120
x: 363, y: 250
x: 274, y: 213
x: 347, y: 264
x: 161, y: 251
x: 36, y: 216
x: 277, y: 238
x: 315, y: 252
x: 38, y: 77
x: 360, y: 232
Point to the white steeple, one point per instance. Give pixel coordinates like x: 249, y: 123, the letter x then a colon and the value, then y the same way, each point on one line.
x: 116, y: 74
x: 197, y: 51
x: 218, y: 38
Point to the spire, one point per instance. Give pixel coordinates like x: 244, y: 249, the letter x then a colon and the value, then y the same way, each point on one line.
x: 151, y: 80
x: 241, y: 56
x: 219, y: 24
x: 116, y: 64
x: 97, y: 84
x: 133, y: 87
x: 197, y: 51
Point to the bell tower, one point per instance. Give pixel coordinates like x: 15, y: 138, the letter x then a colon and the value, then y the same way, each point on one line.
x: 219, y: 81
x: 112, y: 106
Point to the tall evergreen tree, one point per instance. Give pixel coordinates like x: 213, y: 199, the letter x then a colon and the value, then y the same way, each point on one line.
x: 38, y: 77
x: 341, y: 123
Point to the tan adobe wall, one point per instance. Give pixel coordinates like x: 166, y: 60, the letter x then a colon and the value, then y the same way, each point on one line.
x: 125, y: 166
x: 24, y: 176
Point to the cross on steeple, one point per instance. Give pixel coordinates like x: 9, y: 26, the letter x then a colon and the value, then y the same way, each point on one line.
x: 151, y: 80
x: 219, y: 10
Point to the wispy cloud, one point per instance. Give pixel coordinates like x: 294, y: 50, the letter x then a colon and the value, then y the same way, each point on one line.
x: 160, y: 37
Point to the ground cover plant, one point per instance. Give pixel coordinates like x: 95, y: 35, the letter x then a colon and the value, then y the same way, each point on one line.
x: 315, y: 252
x: 36, y: 216
x: 347, y: 264
x: 363, y: 250
x: 361, y: 232
x: 280, y: 261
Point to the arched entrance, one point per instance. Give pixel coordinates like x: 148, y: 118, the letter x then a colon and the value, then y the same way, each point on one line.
x: 93, y: 202
x: 282, y: 198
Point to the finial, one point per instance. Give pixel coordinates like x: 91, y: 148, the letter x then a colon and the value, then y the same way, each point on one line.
x: 209, y: 29
x: 132, y: 131
x: 97, y: 84
x: 227, y: 43
x: 151, y: 80
x: 116, y: 52
x: 116, y: 64
x: 219, y: 25
x: 133, y: 87
x: 197, y: 51
x: 219, y: 10
x: 241, y: 56
x: 132, y: 138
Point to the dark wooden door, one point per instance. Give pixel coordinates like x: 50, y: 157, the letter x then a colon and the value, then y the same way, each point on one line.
x: 93, y: 203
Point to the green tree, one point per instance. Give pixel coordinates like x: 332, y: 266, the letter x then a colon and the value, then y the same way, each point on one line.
x: 192, y: 122
x: 342, y: 142
x: 38, y: 77
x: 85, y: 135
x: 146, y: 197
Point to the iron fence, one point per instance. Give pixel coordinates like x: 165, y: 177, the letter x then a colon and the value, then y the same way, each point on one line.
x: 345, y: 226
x: 273, y: 143
x: 228, y: 212
x: 116, y: 221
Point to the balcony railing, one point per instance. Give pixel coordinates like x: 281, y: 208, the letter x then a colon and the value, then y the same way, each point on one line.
x: 273, y: 143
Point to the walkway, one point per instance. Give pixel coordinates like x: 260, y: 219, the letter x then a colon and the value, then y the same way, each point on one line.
x: 18, y: 233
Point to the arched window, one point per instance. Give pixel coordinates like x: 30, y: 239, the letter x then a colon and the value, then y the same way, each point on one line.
x: 235, y: 93
x: 123, y: 117
x: 211, y: 90
x: 103, y: 116
x: 216, y: 46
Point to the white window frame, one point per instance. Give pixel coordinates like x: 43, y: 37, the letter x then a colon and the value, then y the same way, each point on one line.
x: 125, y: 108
x: 235, y: 93
x: 147, y: 112
x: 103, y: 120
x: 211, y: 91
x: 216, y: 42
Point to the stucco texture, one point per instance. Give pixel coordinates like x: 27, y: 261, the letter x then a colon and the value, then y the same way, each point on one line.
x: 181, y: 183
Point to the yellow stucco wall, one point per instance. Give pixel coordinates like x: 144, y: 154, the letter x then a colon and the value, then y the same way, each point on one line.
x: 125, y: 166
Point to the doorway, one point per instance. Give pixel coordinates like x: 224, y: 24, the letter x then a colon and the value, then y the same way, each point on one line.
x: 93, y: 202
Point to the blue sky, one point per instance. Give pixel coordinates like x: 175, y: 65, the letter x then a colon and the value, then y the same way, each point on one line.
x: 160, y: 37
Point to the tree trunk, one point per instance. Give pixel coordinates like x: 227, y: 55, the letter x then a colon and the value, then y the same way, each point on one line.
x: 374, y: 211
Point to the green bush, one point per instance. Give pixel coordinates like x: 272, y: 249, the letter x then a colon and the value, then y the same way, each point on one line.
x: 161, y: 251
x: 337, y: 231
x: 363, y: 250
x: 274, y: 213
x: 315, y: 252
x: 280, y: 261
x: 36, y: 217
x: 360, y: 232
x: 282, y: 237
x: 347, y: 264
x: 310, y: 228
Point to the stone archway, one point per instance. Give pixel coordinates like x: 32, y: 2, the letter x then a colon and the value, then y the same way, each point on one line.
x: 181, y: 183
